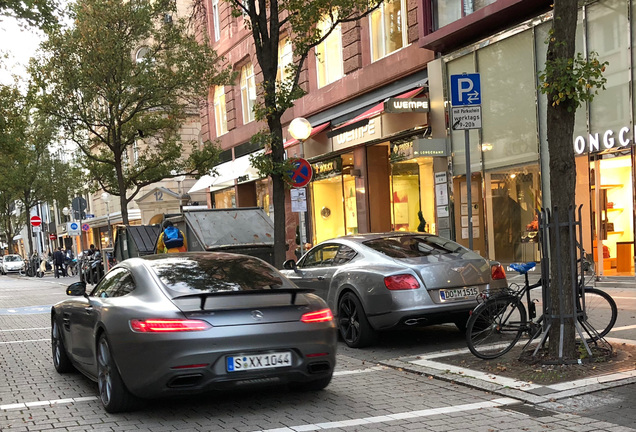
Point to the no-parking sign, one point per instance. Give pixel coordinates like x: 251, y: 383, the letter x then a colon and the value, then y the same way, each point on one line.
x: 301, y: 173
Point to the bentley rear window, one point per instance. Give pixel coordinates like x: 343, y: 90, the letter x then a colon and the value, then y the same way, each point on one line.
x: 412, y: 246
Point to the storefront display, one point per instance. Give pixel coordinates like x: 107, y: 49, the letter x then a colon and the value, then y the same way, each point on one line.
x: 334, y: 199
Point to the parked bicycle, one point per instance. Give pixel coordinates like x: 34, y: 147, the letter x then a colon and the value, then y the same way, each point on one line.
x: 501, y: 319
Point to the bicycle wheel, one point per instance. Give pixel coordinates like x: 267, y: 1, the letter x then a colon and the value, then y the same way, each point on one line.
x: 600, y: 311
x: 495, y: 327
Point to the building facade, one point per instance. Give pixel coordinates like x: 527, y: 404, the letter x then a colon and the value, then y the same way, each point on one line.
x: 381, y: 168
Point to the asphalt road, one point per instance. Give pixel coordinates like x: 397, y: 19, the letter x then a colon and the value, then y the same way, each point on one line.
x: 370, y: 391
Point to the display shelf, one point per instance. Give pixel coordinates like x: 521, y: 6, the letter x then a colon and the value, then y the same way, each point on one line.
x: 609, y: 186
x: 614, y: 209
x: 615, y: 232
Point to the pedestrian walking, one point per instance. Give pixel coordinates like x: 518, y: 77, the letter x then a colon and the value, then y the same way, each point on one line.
x: 58, y: 262
x: 171, y: 239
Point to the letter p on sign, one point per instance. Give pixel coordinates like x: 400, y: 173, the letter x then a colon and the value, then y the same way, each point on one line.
x: 465, y: 89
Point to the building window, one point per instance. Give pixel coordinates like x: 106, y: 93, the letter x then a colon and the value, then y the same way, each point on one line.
x: 285, y: 58
x: 329, y: 55
x: 135, y: 149
x: 142, y: 53
x: 448, y: 11
x: 220, y: 114
x: 248, y: 92
x: 388, y: 28
x: 216, y: 20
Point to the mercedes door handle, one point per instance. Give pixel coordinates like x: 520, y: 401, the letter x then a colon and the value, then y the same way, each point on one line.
x: 320, y: 278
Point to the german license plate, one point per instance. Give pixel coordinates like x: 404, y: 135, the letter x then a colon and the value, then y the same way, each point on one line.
x: 258, y: 361
x: 458, y: 293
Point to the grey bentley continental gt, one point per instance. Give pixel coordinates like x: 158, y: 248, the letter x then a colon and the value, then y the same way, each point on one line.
x: 383, y: 281
x: 185, y: 323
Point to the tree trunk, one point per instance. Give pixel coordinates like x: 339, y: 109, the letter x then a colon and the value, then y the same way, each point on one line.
x: 278, y: 192
x: 560, y: 127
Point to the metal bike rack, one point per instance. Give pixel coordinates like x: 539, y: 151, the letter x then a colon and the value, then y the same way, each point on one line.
x: 549, y: 224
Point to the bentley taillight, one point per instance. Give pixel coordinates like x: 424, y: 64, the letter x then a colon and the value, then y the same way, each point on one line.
x: 401, y: 282
x: 497, y: 271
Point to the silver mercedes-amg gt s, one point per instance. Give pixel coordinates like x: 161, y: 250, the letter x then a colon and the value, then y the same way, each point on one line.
x: 185, y: 323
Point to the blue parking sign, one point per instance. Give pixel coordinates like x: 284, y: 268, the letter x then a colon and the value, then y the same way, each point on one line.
x: 465, y: 89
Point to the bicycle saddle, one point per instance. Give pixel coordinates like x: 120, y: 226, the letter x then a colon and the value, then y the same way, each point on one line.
x: 523, y: 268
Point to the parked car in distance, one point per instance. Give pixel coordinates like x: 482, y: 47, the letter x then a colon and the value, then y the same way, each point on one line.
x: 11, y: 264
x: 191, y: 322
x: 383, y: 281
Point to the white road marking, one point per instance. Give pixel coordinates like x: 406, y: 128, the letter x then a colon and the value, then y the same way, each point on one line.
x: 357, y: 371
x: 26, y: 329
x: 397, y: 416
x: 629, y: 327
x: 22, y: 341
x: 46, y: 403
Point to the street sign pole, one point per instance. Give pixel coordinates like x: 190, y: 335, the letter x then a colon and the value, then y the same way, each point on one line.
x: 469, y: 190
x: 466, y: 92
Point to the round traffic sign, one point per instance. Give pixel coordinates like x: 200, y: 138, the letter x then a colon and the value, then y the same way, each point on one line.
x: 36, y: 221
x: 85, y: 227
x: 52, y: 236
x: 301, y: 173
x: 74, y: 226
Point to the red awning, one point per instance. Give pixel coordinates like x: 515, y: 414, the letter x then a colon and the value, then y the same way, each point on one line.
x: 314, y: 130
x: 379, y: 108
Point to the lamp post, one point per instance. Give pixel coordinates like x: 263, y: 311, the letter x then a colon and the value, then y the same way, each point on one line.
x: 106, y: 198
x: 300, y: 129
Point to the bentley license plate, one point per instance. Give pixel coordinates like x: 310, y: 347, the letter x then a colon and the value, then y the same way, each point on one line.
x: 258, y: 361
x: 458, y: 294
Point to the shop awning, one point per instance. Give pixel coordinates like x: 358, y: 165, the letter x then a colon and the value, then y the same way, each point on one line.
x: 314, y: 130
x: 372, y: 112
x: 226, y: 173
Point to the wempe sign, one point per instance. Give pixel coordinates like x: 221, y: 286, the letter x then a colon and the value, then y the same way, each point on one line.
x: 608, y: 141
x: 403, y: 105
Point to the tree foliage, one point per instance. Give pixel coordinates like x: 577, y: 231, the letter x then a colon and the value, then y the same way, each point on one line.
x: 270, y: 22
x: 31, y: 173
x: 36, y: 13
x: 124, y: 108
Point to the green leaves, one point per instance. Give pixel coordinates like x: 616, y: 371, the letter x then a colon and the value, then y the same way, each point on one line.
x: 573, y: 81
x: 124, y: 82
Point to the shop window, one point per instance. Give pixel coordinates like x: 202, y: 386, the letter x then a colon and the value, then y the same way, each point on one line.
x: 262, y: 195
x: 412, y: 190
x: 329, y: 62
x: 334, y: 199
x: 388, y: 28
x: 607, y: 23
x: 225, y: 198
x: 220, y: 112
x: 248, y: 92
x: 513, y: 200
